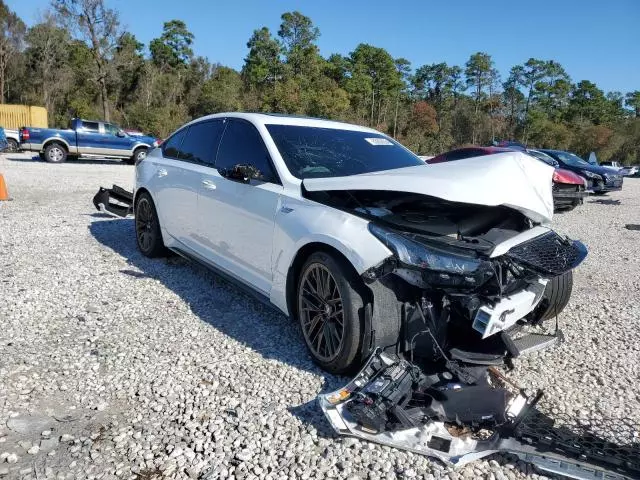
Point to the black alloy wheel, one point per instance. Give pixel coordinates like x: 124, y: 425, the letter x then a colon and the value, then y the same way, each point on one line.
x: 321, y: 312
x: 148, y: 234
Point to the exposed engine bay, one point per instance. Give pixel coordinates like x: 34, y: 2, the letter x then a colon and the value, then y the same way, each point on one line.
x: 462, y: 279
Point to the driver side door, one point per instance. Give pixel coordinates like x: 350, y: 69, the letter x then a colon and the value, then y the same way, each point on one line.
x: 113, y: 141
x: 236, y: 216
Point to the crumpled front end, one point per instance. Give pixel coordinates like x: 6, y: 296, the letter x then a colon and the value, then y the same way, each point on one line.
x: 468, y: 296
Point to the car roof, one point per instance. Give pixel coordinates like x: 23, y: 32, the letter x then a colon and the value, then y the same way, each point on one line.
x: 282, y: 119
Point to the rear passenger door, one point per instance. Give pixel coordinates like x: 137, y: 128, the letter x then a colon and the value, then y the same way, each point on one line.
x: 237, y: 217
x: 185, y: 157
x: 88, y: 137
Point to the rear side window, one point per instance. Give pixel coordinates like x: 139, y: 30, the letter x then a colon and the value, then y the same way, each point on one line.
x: 171, y: 148
x: 201, y: 142
x: 243, y: 145
x: 91, y: 126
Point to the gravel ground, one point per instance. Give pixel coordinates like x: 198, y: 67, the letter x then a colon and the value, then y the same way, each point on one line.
x: 114, y: 365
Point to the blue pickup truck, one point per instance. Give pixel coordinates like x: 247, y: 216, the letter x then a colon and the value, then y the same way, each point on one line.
x: 85, y: 139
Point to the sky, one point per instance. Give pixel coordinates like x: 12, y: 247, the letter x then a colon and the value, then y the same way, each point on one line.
x: 597, y: 40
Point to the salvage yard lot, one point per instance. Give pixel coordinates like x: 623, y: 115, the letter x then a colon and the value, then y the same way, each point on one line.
x: 143, y: 368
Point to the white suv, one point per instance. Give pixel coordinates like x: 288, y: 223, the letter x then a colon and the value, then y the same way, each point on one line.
x: 350, y: 233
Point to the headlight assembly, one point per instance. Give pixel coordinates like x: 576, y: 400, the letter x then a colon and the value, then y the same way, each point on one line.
x: 439, y: 266
x: 591, y: 175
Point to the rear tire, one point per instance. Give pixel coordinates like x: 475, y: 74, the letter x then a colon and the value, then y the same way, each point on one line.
x: 555, y: 297
x: 148, y: 233
x: 331, y: 312
x: 55, y: 153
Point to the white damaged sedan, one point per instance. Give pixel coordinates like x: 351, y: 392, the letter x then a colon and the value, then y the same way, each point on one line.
x: 351, y: 234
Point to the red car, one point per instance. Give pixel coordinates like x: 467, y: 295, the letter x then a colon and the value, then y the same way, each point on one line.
x: 568, y: 187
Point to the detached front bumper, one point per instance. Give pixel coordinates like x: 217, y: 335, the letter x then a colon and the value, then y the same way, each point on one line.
x: 521, y: 429
x: 115, y: 201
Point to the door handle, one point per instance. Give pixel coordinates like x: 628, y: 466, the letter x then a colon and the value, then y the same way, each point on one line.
x: 162, y: 172
x: 208, y: 184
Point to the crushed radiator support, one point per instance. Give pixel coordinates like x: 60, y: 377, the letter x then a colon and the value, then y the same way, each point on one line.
x: 394, y: 403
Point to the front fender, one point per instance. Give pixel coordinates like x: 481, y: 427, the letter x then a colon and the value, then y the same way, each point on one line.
x: 300, y: 223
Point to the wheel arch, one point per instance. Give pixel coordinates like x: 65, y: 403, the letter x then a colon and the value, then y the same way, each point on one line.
x: 136, y: 196
x: 302, y: 254
x: 58, y: 140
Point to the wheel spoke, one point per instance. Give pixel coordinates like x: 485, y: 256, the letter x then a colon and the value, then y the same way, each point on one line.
x: 312, y: 307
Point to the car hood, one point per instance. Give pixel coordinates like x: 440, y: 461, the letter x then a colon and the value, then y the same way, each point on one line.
x: 594, y: 169
x: 143, y: 139
x: 511, y: 179
x: 567, y: 176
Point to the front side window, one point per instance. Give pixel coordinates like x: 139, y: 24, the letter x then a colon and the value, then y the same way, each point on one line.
x: 90, y: 126
x: 311, y: 152
x: 201, y: 142
x: 171, y: 148
x: 242, y: 145
x: 110, y: 129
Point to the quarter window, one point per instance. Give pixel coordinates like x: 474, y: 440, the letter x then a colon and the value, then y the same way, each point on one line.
x: 201, y: 142
x: 242, y: 145
x: 171, y: 148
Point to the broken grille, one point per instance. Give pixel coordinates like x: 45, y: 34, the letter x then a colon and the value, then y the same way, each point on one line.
x: 549, y: 254
x: 621, y: 454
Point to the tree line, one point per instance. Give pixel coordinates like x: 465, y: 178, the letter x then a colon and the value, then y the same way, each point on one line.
x: 79, y: 61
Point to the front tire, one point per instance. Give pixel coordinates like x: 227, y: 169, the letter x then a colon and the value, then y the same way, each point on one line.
x: 139, y: 154
x: 12, y: 145
x: 148, y: 234
x: 555, y: 297
x: 55, y: 153
x: 330, y: 310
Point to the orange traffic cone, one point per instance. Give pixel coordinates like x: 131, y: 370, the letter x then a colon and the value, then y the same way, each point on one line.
x: 4, y: 194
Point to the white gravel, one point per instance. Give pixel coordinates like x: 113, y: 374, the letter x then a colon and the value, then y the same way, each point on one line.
x: 114, y: 365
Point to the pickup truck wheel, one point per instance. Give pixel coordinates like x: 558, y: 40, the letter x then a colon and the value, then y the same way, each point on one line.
x: 148, y: 234
x: 555, y: 298
x: 12, y: 145
x: 55, y: 153
x: 330, y: 310
x: 139, y: 154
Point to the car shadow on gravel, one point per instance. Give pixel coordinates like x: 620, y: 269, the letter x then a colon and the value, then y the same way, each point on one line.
x: 266, y: 331
x: 608, y: 201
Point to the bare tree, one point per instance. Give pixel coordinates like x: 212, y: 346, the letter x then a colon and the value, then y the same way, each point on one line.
x: 99, y: 27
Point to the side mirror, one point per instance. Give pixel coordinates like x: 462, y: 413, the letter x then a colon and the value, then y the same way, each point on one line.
x: 241, y: 173
x: 121, y: 134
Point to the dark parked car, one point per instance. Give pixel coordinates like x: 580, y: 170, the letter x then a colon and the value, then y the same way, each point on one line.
x: 466, y: 152
x: 568, y: 188
x: 603, y: 180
